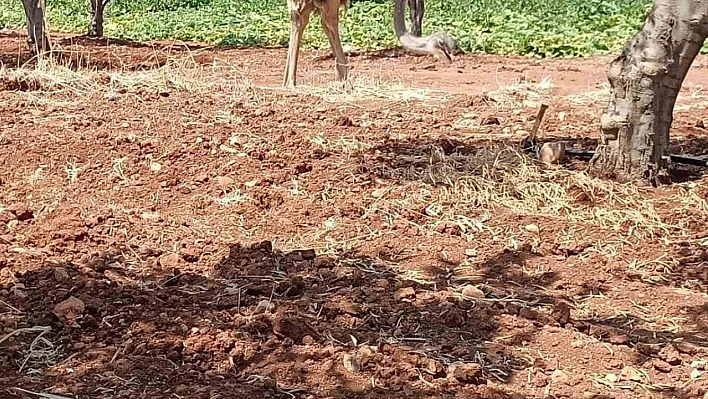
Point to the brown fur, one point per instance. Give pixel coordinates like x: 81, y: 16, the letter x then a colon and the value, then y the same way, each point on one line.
x: 300, y: 13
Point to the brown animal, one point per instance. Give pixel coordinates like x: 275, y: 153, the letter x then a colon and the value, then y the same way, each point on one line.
x: 438, y: 44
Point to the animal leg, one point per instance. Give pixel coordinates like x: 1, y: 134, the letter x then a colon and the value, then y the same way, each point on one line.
x: 36, y: 36
x: 417, y: 9
x: 96, y: 27
x: 299, y: 17
x: 330, y: 25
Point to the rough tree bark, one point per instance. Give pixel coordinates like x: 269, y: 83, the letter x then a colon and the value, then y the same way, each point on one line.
x: 645, y: 81
x: 37, y: 38
x: 97, y: 8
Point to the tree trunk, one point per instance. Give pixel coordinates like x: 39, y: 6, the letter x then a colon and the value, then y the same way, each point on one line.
x: 37, y: 38
x: 645, y: 81
x: 97, y: 8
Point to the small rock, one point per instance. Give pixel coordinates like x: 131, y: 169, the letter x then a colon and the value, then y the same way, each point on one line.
x: 469, y: 373
x: 561, y: 313
x: 670, y: 355
x: 303, y: 168
x: 577, y: 344
x: 589, y: 395
x: 6, y: 216
x: 308, y: 340
x: 155, y: 167
x: 559, y: 377
x: 189, y: 254
x: 150, y: 216
x: 540, y: 379
x: 661, y: 366
x: 351, y: 363
x: 532, y: 228
x: 433, y: 367
x: 612, y: 378
x: 18, y: 290
x: 619, y: 339
x: 169, y: 261
x: 264, y: 306
x: 61, y: 275
x: 224, y: 181
x: 631, y: 374
x: 150, y: 252
x: 552, y: 152
x: 69, y: 309
x: 365, y: 354
x: 351, y: 308
x: 22, y: 213
x: 345, y: 121
x: 379, y: 192
x: 448, y: 228
x: 688, y: 348
x: 490, y: 120
x: 700, y: 124
x: 402, y: 293
x: 6, y: 273
x: 470, y: 291
x: 203, y: 178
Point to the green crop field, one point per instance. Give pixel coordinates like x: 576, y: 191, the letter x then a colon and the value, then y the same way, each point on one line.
x: 528, y: 27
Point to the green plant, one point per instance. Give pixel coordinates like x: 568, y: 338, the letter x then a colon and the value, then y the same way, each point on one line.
x: 527, y: 27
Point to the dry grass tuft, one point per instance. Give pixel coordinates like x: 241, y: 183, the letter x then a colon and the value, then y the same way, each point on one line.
x: 49, y: 77
x: 499, y: 177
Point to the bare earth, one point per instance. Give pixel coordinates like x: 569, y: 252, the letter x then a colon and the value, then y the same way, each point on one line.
x: 225, y: 238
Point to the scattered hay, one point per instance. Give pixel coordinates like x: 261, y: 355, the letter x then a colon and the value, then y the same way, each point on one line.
x: 362, y: 88
x: 520, y: 94
x: 51, y: 77
x: 41, y: 354
x: 500, y: 177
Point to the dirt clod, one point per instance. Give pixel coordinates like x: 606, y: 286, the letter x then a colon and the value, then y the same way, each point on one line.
x: 69, y: 309
x: 404, y: 293
x: 22, y: 212
x: 169, y: 261
x: 61, y: 275
x: 468, y: 373
x: 661, y: 366
x: 631, y: 374
x: 6, y: 215
x: 561, y: 313
x: 559, y: 377
x: 470, y: 291
x: 224, y: 181
x: 619, y: 339
x: 490, y: 120
x: 351, y: 363
x: 670, y: 355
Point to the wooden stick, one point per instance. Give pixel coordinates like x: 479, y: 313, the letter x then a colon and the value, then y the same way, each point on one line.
x: 537, y: 124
